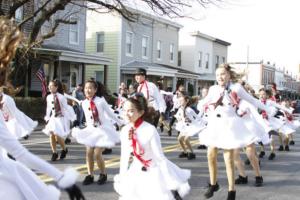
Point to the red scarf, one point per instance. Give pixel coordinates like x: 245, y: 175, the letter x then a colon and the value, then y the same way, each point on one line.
x: 141, y: 87
x: 57, y: 108
x: 263, y: 112
x: 138, y: 150
x: 94, y: 111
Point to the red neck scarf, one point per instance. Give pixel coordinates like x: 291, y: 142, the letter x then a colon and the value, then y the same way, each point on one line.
x: 138, y: 150
x: 141, y: 87
x: 57, y: 108
x: 94, y: 111
x: 263, y: 112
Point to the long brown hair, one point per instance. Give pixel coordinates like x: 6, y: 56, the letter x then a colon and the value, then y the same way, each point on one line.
x: 234, y: 77
x: 10, y: 38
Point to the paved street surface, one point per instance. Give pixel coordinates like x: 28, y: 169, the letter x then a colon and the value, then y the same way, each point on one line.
x: 281, y: 176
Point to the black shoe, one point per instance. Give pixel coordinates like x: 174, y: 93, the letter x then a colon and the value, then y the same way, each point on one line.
x: 107, y: 151
x: 231, y: 195
x: 26, y: 137
x: 292, y: 142
x: 287, y: 148
x: 67, y: 141
x: 201, y: 146
x: 63, y: 154
x: 161, y: 127
x: 183, y: 155
x: 10, y: 156
x: 88, y: 180
x: 191, y: 156
x: 262, y: 154
x: 247, y: 162
x: 102, y: 179
x: 54, y: 157
x: 211, y: 189
x: 280, y: 148
x: 272, y: 156
x: 241, y: 180
x: 258, y: 181
x: 176, y: 195
x: 272, y: 132
x: 170, y: 132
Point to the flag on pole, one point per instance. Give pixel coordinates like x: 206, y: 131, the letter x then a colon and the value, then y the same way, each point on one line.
x: 41, y: 76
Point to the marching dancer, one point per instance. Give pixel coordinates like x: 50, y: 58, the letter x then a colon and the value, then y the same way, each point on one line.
x: 99, y: 132
x: 145, y: 172
x: 224, y: 126
x: 188, y: 124
x: 58, y: 117
x: 17, y: 181
x: 151, y: 93
x: 19, y: 124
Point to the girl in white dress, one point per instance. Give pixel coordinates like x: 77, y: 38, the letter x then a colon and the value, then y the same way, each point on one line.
x: 145, y: 172
x: 58, y: 117
x: 225, y: 129
x: 98, y: 133
x: 188, y: 124
x: 18, y: 182
x: 19, y: 124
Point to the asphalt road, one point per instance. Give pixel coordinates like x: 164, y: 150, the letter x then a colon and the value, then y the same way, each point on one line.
x: 281, y: 176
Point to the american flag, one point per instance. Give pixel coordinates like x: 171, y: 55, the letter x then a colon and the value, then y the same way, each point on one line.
x: 41, y: 75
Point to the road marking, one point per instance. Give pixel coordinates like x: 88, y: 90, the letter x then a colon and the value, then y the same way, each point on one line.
x: 113, y: 162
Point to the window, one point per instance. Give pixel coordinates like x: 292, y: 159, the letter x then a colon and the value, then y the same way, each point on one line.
x: 172, y: 52
x: 100, y: 42
x: 19, y: 14
x: 145, y: 42
x: 217, y: 62
x: 199, y: 59
x: 74, y: 31
x: 99, y: 76
x: 158, y: 49
x: 179, y: 58
x: 206, y: 60
x: 223, y: 60
x: 129, y: 41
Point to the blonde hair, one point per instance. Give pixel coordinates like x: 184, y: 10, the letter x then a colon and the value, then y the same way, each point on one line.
x: 10, y: 37
x: 234, y: 76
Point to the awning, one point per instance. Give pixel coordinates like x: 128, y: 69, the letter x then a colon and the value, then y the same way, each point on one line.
x: 207, y: 77
x: 152, y: 69
x: 73, y: 56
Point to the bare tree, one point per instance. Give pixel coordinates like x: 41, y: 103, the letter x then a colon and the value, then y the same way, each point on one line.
x: 37, y: 13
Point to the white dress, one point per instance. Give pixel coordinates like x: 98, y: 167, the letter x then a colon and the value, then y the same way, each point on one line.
x: 162, y: 176
x: 16, y: 121
x: 225, y: 129
x: 190, y: 124
x: 60, y: 125
x: 254, y: 122
x: 18, y: 182
x: 98, y: 135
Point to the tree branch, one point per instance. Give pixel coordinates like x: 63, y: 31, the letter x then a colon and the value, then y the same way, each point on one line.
x: 15, y: 6
x: 34, y: 14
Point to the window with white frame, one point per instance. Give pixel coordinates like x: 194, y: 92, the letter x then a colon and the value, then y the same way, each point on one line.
x: 145, y: 44
x: 179, y: 58
x: 129, y: 43
x: 206, y: 60
x: 171, y: 52
x: 100, y: 42
x: 74, y: 31
x: 223, y: 60
x: 19, y: 14
x: 158, y: 48
x: 199, y: 59
x: 217, y: 62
